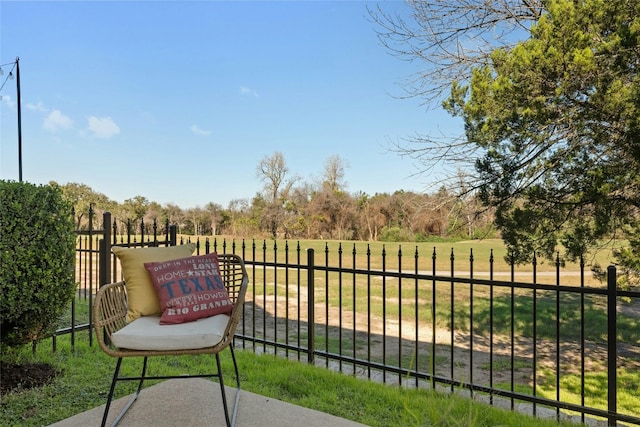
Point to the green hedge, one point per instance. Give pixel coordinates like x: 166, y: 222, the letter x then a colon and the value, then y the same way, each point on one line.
x: 37, y: 255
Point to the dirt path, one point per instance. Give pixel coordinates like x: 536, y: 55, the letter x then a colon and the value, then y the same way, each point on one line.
x: 388, y: 337
x: 390, y: 342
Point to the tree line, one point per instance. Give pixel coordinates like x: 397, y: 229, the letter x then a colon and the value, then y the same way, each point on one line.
x: 289, y: 207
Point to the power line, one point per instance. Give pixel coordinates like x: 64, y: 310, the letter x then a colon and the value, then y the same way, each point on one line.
x: 10, y: 75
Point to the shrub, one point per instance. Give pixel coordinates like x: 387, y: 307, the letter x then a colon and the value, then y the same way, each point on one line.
x: 395, y: 234
x: 37, y: 254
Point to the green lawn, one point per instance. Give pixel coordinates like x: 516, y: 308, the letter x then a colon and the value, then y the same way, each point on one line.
x: 86, y: 373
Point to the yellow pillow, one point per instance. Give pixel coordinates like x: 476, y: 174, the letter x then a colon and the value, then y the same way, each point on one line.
x: 142, y: 296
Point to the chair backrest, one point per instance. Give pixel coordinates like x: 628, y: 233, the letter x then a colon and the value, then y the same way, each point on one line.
x: 234, y: 275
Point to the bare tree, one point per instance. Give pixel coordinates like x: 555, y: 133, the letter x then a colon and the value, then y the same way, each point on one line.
x: 175, y: 215
x: 272, y: 171
x: 238, y: 216
x: 333, y: 177
x: 152, y: 216
x: 371, y: 216
x: 449, y: 38
x: 199, y: 218
x: 214, y: 210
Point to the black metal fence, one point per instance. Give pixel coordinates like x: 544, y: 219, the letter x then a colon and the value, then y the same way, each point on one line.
x: 551, y: 349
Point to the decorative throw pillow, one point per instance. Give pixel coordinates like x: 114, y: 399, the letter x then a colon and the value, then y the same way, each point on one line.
x: 142, y: 297
x: 189, y: 288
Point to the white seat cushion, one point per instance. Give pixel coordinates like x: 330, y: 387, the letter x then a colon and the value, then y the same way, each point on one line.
x: 146, y: 333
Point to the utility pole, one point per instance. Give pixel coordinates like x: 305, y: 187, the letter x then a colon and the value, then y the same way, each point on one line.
x: 16, y: 66
x: 19, y: 120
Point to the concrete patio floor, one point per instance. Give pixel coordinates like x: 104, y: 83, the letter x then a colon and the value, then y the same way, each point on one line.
x: 197, y: 402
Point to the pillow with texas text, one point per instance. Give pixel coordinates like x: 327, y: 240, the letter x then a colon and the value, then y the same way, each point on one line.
x: 189, y: 288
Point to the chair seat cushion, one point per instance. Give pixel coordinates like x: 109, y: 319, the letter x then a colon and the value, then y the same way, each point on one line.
x: 146, y: 333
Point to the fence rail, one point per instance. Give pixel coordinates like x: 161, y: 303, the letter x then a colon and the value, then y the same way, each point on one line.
x: 550, y: 349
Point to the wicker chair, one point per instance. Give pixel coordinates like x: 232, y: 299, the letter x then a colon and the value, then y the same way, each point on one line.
x: 110, y: 309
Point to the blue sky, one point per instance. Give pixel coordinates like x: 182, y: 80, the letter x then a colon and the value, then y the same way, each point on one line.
x: 179, y: 101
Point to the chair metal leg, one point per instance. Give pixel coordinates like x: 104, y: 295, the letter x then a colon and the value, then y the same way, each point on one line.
x: 230, y: 422
x: 111, y: 390
x: 222, y: 391
x: 235, y: 367
x: 142, y: 376
x: 133, y: 398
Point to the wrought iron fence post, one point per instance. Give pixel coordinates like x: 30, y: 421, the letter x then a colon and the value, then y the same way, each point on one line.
x: 106, y: 259
x: 310, y: 307
x: 104, y: 265
x: 104, y: 275
x: 612, y: 342
x: 173, y: 235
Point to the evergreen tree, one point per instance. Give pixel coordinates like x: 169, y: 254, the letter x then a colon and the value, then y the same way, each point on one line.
x: 557, y: 121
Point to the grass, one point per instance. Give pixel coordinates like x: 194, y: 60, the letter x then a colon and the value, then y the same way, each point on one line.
x: 595, y: 386
x: 595, y: 383
x: 86, y: 374
x: 403, y: 255
x: 81, y: 307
